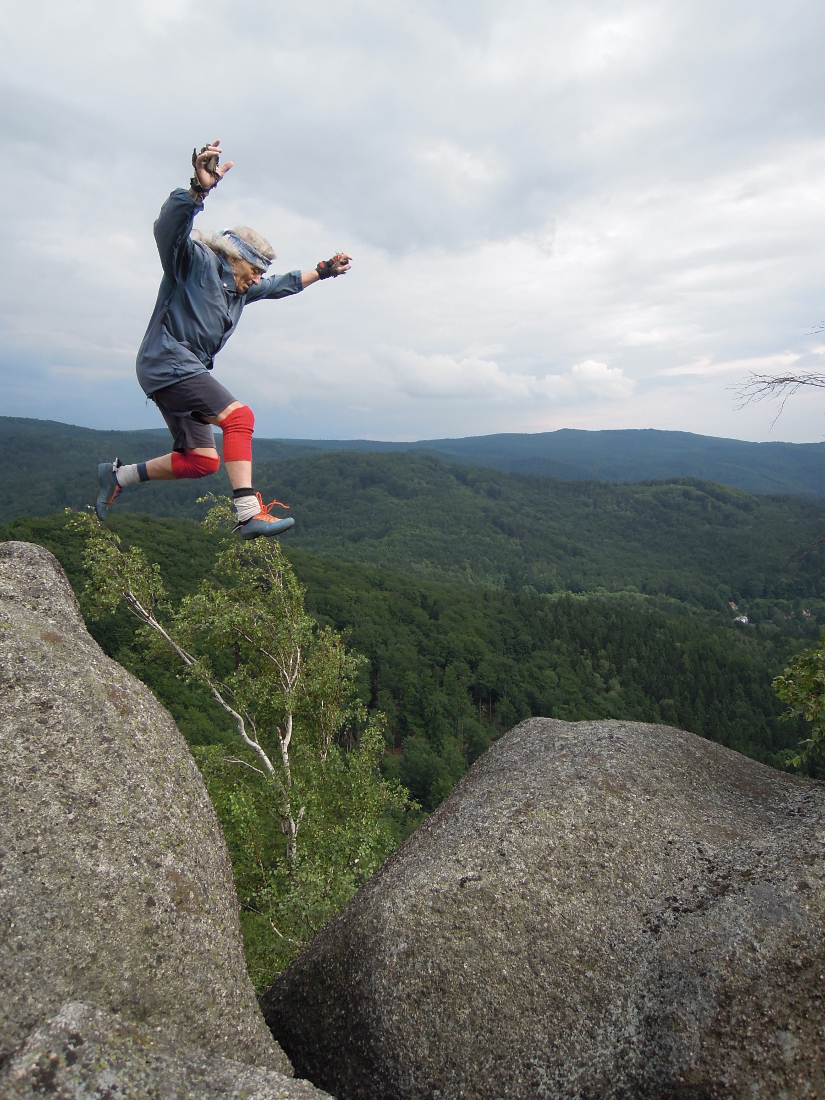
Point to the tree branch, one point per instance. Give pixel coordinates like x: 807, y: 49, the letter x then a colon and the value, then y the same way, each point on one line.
x: 135, y: 606
x: 237, y: 760
x: 758, y: 387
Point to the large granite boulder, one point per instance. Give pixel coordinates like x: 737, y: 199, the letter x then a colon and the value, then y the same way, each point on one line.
x: 84, y: 1052
x: 115, y: 881
x: 599, y: 910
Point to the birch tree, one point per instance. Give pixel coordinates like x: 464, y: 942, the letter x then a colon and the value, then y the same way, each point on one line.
x: 308, y: 752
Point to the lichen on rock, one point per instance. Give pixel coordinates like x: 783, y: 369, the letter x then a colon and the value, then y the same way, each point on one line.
x: 599, y: 910
x: 115, y: 882
x: 84, y: 1052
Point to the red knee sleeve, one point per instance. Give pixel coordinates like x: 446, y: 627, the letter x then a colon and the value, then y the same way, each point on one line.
x: 237, y: 431
x: 188, y: 465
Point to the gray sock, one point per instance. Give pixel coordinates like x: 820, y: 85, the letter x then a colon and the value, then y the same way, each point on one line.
x: 131, y: 474
x: 246, y: 507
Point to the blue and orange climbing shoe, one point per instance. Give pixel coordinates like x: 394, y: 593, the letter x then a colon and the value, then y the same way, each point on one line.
x: 109, y: 487
x: 263, y: 523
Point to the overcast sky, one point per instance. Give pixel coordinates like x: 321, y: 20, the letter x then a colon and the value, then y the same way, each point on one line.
x: 591, y: 215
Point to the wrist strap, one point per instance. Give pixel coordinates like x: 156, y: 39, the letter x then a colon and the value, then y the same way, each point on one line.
x: 331, y: 269
x: 198, y: 190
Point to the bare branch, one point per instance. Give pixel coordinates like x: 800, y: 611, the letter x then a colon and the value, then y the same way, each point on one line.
x: 147, y: 617
x: 237, y: 760
x: 758, y: 387
x: 252, y: 909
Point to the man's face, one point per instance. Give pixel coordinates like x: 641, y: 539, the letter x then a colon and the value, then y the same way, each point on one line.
x: 245, y: 274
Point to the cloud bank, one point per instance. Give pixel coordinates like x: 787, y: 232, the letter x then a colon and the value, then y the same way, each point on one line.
x: 593, y: 215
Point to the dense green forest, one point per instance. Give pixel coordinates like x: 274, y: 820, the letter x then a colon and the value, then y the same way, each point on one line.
x: 626, y: 455
x: 697, y: 542
x: 644, y: 454
x: 454, y: 666
x: 61, y: 458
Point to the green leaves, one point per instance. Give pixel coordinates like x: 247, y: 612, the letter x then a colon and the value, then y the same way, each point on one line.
x: 115, y: 576
x: 802, y: 687
x: 303, y: 805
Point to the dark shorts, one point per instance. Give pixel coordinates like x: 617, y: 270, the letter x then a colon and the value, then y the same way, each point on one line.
x: 185, y: 405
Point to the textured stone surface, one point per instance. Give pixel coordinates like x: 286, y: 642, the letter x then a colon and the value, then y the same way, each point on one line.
x: 599, y: 910
x: 115, y: 881
x: 84, y: 1053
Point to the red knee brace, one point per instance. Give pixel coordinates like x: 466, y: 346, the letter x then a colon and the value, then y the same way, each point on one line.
x: 189, y: 465
x: 237, y: 431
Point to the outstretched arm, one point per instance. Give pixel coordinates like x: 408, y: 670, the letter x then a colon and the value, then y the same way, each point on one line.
x: 281, y: 286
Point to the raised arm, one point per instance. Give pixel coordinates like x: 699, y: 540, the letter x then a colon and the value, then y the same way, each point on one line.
x: 174, y: 222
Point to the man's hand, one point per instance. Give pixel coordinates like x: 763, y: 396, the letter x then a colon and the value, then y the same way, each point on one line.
x: 207, y: 172
x: 338, y: 265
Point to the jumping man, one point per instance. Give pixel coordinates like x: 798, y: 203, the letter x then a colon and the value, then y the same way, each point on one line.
x: 206, y: 283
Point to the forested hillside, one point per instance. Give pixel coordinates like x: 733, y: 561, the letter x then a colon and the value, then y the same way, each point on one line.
x: 626, y: 455
x: 480, y: 597
x: 697, y: 542
x: 46, y: 465
x: 454, y: 666
x: 693, y: 541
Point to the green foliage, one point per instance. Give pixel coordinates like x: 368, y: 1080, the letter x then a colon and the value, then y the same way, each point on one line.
x: 453, y: 667
x: 346, y: 833
x: 802, y: 687
x: 696, y: 542
x: 412, y: 513
x: 307, y: 754
x: 115, y: 576
x: 47, y: 466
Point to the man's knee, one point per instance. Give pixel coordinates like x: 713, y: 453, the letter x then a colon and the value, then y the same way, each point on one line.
x: 191, y: 465
x: 237, y: 431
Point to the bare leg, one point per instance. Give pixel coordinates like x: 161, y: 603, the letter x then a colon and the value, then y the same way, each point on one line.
x: 240, y: 473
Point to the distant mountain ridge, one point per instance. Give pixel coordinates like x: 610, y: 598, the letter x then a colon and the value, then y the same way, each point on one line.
x: 46, y: 461
x: 627, y: 455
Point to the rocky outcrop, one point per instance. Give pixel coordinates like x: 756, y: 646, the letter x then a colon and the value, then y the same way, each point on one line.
x: 84, y: 1052
x: 599, y: 910
x: 115, y: 882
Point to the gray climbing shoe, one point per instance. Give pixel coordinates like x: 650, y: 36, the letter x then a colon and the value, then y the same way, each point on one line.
x: 109, y: 488
x: 264, y: 524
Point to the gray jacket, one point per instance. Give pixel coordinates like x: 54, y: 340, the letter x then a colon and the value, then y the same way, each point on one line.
x: 197, y: 307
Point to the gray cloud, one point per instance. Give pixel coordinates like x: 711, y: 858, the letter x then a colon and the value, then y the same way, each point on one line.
x: 561, y: 214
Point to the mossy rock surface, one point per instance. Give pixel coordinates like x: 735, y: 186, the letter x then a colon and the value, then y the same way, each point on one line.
x: 115, y: 881
x: 84, y: 1052
x: 599, y: 910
